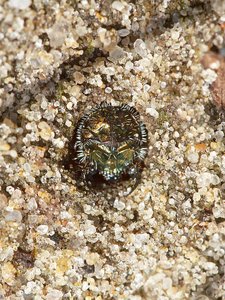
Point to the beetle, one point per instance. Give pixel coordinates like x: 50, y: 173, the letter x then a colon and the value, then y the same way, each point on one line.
x: 110, y: 142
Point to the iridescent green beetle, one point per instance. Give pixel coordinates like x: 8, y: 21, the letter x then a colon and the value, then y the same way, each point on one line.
x: 111, y: 141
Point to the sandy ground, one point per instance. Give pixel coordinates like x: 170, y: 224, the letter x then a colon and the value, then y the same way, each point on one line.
x: 165, y: 240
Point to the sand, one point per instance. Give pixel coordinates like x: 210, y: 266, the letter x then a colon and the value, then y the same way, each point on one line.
x: 165, y: 239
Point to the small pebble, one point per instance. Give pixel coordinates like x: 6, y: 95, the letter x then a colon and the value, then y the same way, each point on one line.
x: 193, y: 157
x: 13, y: 216
x: 152, y: 112
x: 42, y: 229
x: 118, y: 5
x: 19, y: 4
